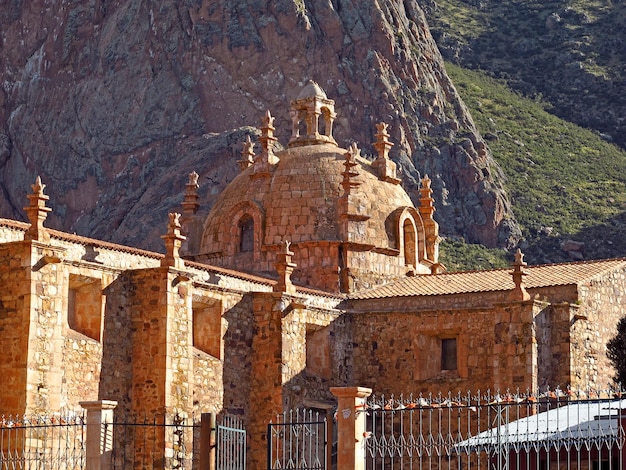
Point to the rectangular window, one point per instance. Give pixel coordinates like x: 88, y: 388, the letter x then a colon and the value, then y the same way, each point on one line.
x: 207, y: 328
x: 448, y: 354
x: 85, y: 306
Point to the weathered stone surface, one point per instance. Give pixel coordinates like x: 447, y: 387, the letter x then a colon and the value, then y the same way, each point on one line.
x: 109, y: 102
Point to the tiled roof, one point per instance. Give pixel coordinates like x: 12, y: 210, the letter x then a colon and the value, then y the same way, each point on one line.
x: 494, y: 280
x: 70, y: 237
x: 23, y: 226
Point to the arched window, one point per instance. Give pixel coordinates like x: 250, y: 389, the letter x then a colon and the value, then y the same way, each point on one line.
x: 410, y: 245
x: 246, y: 234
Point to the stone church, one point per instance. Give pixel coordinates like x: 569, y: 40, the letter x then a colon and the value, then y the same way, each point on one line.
x: 313, y: 269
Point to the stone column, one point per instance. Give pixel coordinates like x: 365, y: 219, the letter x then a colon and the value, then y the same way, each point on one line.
x: 351, y: 429
x: 161, y: 351
x: 99, y: 440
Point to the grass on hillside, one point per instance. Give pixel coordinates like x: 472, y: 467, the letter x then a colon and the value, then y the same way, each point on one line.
x: 558, y: 174
x: 563, y: 180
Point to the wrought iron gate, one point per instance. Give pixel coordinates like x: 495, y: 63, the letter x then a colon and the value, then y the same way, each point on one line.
x: 230, y: 442
x: 298, y: 440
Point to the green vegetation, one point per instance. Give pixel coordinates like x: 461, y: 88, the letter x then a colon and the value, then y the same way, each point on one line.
x: 563, y: 180
x: 616, y: 352
x: 558, y: 174
x: 459, y: 256
x: 569, y: 51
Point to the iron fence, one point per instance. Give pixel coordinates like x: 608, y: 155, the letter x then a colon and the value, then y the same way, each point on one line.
x: 554, y: 430
x: 164, y: 442
x: 42, y: 442
x: 297, y: 440
x: 230, y: 444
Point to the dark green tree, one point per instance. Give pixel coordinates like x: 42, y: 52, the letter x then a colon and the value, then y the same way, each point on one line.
x: 616, y: 352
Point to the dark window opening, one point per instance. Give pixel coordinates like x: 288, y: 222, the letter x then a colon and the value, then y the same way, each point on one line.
x: 448, y: 354
x: 410, y: 257
x: 246, y: 234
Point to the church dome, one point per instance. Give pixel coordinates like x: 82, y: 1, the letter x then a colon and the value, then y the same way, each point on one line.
x: 350, y: 223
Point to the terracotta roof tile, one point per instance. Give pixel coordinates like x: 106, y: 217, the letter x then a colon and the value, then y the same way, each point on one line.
x: 493, y: 280
x: 23, y: 226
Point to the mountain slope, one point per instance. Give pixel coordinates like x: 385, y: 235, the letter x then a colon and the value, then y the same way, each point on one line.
x: 565, y: 182
x: 571, y: 52
x: 114, y: 102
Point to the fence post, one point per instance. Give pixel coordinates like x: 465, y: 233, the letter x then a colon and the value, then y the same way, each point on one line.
x: 351, y: 430
x: 208, y: 428
x: 99, y: 439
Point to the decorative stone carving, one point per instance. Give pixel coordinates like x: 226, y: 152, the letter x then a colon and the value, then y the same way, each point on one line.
x: 519, y: 291
x: 385, y: 168
x: 173, y: 240
x: 37, y: 213
x: 311, y: 104
x: 247, y: 154
x: 284, y: 268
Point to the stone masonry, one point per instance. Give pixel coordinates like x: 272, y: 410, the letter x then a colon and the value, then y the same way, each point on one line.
x: 314, y: 271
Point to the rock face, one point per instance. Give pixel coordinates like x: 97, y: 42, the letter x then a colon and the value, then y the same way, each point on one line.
x: 115, y: 102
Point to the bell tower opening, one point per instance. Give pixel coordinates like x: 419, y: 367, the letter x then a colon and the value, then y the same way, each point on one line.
x: 312, y: 116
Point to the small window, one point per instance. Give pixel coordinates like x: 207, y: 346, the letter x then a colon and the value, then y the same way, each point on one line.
x: 318, y: 357
x: 448, y: 354
x: 410, y: 258
x: 85, y: 304
x: 246, y: 234
x: 207, y: 328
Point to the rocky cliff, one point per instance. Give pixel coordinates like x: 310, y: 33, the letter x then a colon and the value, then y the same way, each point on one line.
x: 115, y: 102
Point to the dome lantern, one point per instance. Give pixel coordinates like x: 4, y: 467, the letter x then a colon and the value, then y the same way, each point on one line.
x: 306, y: 110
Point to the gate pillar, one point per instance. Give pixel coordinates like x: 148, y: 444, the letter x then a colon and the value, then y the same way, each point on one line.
x: 351, y: 429
x: 99, y: 439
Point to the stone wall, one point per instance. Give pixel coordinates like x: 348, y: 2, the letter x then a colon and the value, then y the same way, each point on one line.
x: 400, y: 352
x: 14, y: 325
x: 602, y: 303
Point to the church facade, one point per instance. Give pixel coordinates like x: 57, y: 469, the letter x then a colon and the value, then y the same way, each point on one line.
x: 313, y: 270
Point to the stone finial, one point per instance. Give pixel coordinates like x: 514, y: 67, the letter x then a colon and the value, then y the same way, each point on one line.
x: 267, y: 134
x: 267, y: 157
x: 519, y: 292
x: 427, y: 203
x: 431, y: 227
x: 37, y: 213
x: 247, y: 154
x: 190, y: 202
x: 385, y: 168
x: 351, y: 171
x: 284, y: 268
x: 382, y: 144
x: 173, y: 241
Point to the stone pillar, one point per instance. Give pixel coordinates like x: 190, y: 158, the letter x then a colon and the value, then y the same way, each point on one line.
x: 266, y: 395
x: 351, y: 430
x: 32, y: 304
x: 99, y: 439
x: 515, y: 346
x: 162, y: 359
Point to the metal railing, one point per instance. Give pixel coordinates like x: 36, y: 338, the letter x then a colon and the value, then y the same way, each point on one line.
x: 153, y: 442
x: 230, y: 452
x: 297, y: 440
x: 42, y: 442
x: 553, y: 430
